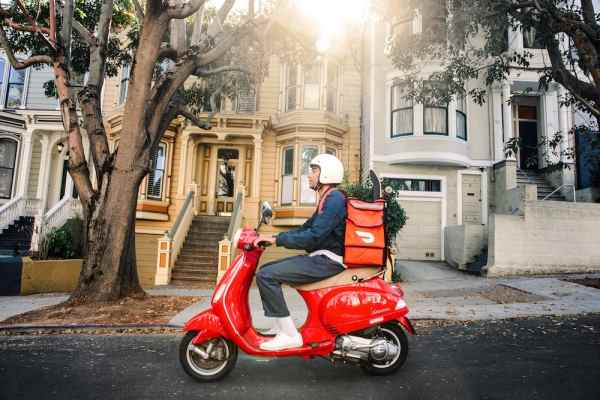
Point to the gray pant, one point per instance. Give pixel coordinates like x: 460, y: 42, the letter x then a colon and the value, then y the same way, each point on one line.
x: 291, y: 270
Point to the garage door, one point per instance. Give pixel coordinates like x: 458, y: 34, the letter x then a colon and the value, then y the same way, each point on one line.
x: 420, y: 238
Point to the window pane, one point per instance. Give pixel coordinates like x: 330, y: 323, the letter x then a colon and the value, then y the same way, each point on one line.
x: 6, y: 176
x: 461, y: 125
x: 16, y: 76
x: 8, y: 153
x: 1, y: 70
x: 418, y: 185
x: 125, y: 72
x: 287, y: 180
x: 288, y: 161
x: 402, y: 122
x: 291, y: 99
x: 307, y: 195
x: 287, y: 190
x: 398, y: 99
x: 312, y: 79
x: 225, y: 179
x: 332, y: 86
x: 436, y: 120
x: 14, y: 96
x: 292, y: 75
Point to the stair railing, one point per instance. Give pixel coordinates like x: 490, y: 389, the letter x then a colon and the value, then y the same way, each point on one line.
x: 17, y: 207
x: 171, y: 243
x: 11, y: 211
x: 560, y: 187
x: 226, y: 250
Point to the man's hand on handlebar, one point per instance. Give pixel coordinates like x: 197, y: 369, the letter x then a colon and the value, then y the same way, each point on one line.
x: 264, y: 241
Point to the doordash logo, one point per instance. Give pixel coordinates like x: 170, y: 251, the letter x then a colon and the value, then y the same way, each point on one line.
x: 366, y: 237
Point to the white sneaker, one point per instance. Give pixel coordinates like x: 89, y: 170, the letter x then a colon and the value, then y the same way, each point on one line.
x: 282, y: 341
x: 271, y: 331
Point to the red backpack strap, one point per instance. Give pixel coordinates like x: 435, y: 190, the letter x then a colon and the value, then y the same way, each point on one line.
x: 322, y: 199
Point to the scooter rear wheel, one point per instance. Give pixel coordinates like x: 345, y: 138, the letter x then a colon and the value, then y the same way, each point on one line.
x: 395, y: 335
x: 208, y: 361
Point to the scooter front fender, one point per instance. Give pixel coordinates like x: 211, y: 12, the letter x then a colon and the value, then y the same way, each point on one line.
x: 407, y: 325
x: 208, y: 325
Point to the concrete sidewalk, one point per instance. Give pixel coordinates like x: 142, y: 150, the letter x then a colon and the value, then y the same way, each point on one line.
x: 433, y: 291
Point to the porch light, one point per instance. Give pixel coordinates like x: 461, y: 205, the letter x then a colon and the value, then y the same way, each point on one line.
x: 60, y: 146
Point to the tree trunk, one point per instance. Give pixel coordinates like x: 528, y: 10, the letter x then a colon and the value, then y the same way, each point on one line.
x: 110, y: 270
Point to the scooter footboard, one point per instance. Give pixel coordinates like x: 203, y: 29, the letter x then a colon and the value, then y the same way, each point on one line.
x: 208, y: 325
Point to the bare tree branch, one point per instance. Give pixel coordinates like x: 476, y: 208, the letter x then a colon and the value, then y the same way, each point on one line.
x: 181, y: 10
x: 197, y: 30
x: 67, y: 28
x: 202, y: 72
x: 187, y: 113
x: 589, y: 14
x: 216, y: 26
x: 139, y: 11
x: 16, y: 64
x: 85, y: 34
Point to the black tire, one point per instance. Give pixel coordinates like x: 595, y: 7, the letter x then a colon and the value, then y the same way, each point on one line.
x: 207, y: 370
x: 394, y: 332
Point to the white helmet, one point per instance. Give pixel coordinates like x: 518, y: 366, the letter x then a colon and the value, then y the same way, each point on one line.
x: 332, y: 170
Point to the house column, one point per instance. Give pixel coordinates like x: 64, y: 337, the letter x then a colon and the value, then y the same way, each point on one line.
x: 496, y: 117
x: 43, y: 184
x: 25, y: 163
x: 507, y: 120
x: 257, y: 159
x: 181, y: 181
x: 563, y: 123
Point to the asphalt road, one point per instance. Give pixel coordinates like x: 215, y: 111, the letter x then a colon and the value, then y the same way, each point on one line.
x: 547, y: 358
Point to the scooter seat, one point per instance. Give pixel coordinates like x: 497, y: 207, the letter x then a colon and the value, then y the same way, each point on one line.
x: 348, y: 276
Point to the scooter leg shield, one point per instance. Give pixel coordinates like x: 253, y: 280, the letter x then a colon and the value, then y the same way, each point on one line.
x: 208, y: 325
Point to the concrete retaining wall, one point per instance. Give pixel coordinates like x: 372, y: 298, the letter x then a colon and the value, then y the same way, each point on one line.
x: 463, y: 243
x: 550, y: 237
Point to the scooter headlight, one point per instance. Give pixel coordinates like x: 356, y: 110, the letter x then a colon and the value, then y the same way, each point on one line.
x: 236, y: 238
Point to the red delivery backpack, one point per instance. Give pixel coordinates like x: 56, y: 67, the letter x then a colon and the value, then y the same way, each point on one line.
x: 364, y: 242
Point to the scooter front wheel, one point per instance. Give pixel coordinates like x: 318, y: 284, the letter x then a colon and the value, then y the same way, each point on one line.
x: 208, y: 361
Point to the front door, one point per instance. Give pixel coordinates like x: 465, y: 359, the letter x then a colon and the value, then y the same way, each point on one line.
x: 471, y: 199
x: 227, y: 180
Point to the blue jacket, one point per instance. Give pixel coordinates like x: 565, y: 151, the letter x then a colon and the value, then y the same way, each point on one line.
x: 323, y: 231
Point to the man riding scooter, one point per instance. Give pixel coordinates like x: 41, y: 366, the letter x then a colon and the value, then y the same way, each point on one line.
x: 322, y: 236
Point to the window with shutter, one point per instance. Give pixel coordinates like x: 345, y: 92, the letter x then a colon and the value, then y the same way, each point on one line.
x: 156, y: 175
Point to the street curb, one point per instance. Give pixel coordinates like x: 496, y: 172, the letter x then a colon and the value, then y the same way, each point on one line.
x: 88, y: 328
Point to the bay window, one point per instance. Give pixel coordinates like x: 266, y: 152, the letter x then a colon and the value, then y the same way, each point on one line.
x: 312, y: 86
x: 8, y: 155
x: 402, y: 112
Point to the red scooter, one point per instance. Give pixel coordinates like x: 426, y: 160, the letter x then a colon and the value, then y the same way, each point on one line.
x: 354, y: 316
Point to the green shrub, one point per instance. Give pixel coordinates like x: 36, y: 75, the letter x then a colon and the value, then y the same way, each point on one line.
x: 394, y: 217
x: 63, y: 242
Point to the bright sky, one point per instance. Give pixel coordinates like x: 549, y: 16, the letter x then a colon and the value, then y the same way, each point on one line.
x: 332, y: 16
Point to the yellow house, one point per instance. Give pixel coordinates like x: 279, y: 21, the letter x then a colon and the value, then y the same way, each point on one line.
x: 206, y: 182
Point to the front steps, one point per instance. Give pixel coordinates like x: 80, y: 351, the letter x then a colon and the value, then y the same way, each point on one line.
x: 543, y: 187
x: 16, y: 239
x: 198, y: 261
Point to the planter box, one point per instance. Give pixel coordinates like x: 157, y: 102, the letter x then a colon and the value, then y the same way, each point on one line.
x: 47, y: 276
